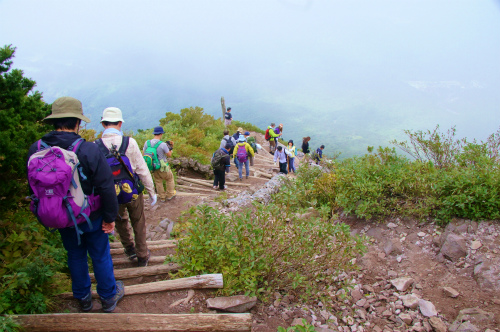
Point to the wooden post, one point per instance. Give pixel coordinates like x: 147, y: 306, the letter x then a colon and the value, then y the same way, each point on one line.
x: 142, y: 271
x: 195, y: 181
x: 128, y: 322
x: 196, y: 282
x: 269, y: 176
x: 223, y: 104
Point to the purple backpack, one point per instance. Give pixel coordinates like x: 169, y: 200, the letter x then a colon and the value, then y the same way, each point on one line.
x: 241, y: 154
x: 58, y: 200
x: 128, y: 186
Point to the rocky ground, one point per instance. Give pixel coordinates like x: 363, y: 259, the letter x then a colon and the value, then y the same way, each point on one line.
x: 415, y: 276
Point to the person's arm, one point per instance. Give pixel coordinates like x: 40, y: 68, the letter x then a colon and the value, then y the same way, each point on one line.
x: 273, y: 134
x: 276, y: 155
x: 165, y: 149
x: 227, y: 161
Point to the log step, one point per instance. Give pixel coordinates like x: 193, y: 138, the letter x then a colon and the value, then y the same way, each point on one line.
x: 118, y: 251
x: 152, y: 260
x: 142, y: 271
x: 196, y: 282
x: 125, y: 322
x: 149, y: 243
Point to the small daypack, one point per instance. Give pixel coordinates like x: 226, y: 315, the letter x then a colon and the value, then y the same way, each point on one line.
x: 151, y: 156
x: 241, y: 154
x: 230, y: 142
x: 58, y: 200
x: 217, y: 161
x: 128, y: 186
x: 267, y: 136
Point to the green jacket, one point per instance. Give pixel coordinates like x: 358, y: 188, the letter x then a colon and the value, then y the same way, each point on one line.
x: 272, y: 133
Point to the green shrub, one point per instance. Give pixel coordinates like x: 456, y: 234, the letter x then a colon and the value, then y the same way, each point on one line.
x: 304, y: 327
x: 32, y: 262
x: 267, y: 248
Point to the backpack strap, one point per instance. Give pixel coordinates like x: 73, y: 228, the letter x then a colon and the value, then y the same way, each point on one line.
x: 41, y: 145
x: 102, y: 147
x: 149, y: 143
x: 75, y: 146
x: 157, y: 145
x: 124, y: 146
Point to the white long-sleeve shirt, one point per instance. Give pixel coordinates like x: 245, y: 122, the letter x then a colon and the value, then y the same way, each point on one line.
x: 135, y: 156
x: 281, y: 155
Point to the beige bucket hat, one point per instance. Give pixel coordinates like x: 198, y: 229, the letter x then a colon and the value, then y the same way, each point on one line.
x: 112, y: 114
x: 67, y: 107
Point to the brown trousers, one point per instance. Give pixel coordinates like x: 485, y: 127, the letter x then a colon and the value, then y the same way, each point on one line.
x: 134, y: 210
x: 167, y: 176
x: 272, y: 145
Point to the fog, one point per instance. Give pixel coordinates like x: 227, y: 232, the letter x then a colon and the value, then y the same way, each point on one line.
x: 347, y: 73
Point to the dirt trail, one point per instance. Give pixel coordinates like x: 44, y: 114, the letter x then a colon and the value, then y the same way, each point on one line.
x: 416, y: 258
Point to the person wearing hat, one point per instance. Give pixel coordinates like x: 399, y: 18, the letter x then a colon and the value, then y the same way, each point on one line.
x: 164, y: 173
x: 95, y: 178
x: 236, y: 137
x: 228, y: 117
x: 112, y: 121
x: 251, y: 140
x: 242, y: 144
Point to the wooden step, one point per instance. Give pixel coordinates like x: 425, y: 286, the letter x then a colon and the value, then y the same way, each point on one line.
x: 119, y: 251
x: 142, y: 271
x: 196, y: 282
x: 152, y: 260
x: 149, y: 243
x: 125, y: 322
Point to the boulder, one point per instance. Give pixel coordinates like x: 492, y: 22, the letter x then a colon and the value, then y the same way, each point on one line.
x: 393, y: 246
x: 427, y: 308
x: 237, y: 303
x: 402, y: 284
x: 464, y: 327
x: 437, y: 324
x: 487, y: 274
x: 410, y: 300
x: 448, y: 291
x: 453, y: 247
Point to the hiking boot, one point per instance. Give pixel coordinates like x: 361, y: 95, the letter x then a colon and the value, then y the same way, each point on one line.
x: 130, y: 252
x: 215, y: 187
x: 110, y: 304
x: 246, y: 177
x: 175, y: 194
x: 143, y: 262
x: 86, y: 303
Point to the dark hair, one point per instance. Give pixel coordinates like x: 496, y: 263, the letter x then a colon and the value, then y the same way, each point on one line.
x: 280, y: 148
x: 228, y: 146
x: 273, y: 124
x: 107, y: 123
x: 64, y: 123
x: 322, y: 147
x: 229, y: 108
x: 290, y: 141
x: 226, y: 132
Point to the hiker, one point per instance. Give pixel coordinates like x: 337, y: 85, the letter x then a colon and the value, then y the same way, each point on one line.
x: 305, y: 144
x: 155, y: 148
x: 236, y: 137
x: 292, y: 152
x: 319, y: 154
x: 280, y: 155
x: 93, y: 180
x: 251, y: 140
x: 221, y: 162
x: 228, y: 117
x: 112, y: 121
x: 227, y: 140
x: 271, y: 136
x: 242, y: 151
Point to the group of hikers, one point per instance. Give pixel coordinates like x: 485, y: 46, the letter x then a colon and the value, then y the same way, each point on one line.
x: 87, y: 190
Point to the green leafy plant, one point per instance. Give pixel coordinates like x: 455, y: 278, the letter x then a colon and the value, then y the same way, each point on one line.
x: 8, y: 324
x: 304, y: 327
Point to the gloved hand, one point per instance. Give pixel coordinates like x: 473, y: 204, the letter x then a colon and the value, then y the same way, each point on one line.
x: 153, y: 199
x: 163, y: 166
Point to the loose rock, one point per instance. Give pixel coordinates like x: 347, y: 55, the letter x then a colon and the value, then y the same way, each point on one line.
x: 437, y: 324
x: 427, y: 308
x: 453, y: 247
x: 450, y: 292
x: 402, y: 284
x: 237, y: 303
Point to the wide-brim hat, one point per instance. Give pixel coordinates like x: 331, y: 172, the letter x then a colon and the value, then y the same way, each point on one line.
x: 67, y: 107
x: 240, y: 129
x: 112, y: 114
x: 242, y: 138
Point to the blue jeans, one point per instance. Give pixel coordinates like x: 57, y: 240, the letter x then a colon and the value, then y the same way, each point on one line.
x: 291, y: 164
x: 94, y: 242
x: 240, y: 168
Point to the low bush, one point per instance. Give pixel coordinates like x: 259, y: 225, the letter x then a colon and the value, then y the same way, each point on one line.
x: 268, y: 248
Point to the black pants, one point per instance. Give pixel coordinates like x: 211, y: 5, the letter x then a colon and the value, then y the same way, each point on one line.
x: 283, y: 168
x: 220, y: 178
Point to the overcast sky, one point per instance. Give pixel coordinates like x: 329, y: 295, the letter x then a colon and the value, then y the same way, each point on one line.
x: 312, y: 52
